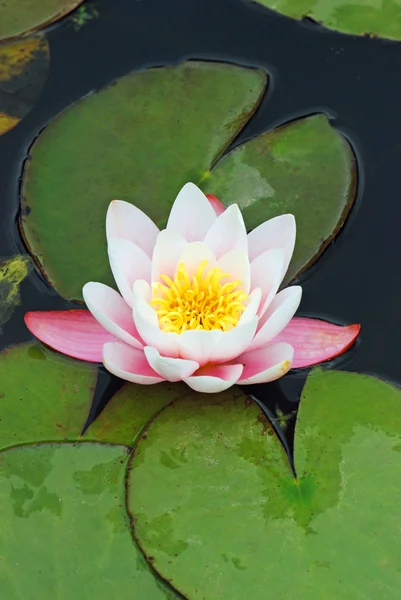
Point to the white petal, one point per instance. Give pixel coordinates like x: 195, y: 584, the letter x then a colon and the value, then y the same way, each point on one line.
x: 191, y: 214
x: 147, y: 323
x: 169, y: 245
x: 266, y: 364
x: 252, y: 307
x: 278, y: 232
x: 194, y: 254
x: 171, y: 369
x: 112, y: 312
x: 277, y: 316
x: 129, y: 364
x: 128, y: 263
x: 126, y: 221
x: 236, y: 264
x: 233, y: 342
x: 198, y: 344
x: 215, y: 378
x: 228, y: 232
x: 267, y: 272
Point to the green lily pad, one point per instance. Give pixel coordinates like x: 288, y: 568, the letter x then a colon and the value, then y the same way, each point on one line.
x: 130, y: 409
x: 43, y: 396
x: 139, y: 140
x: 358, y: 17
x: 12, y: 273
x: 216, y: 506
x: 305, y: 168
x: 64, y: 532
x: 20, y: 16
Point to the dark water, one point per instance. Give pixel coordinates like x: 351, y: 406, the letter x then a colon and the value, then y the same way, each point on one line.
x: 355, y: 81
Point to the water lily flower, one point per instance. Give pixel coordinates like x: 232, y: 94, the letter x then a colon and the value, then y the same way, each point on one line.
x: 199, y: 301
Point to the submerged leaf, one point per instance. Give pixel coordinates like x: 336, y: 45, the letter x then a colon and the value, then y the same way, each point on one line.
x: 24, y: 67
x: 12, y: 273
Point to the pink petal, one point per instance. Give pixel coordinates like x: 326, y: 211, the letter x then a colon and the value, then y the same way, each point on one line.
x: 191, y: 214
x: 75, y: 333
x: 266, y: 364
x: 112, y: 312
x: 171, y: 369
x: 267, y: 272
x: 214, y: 378
x: 126, y: 221
x: 278, y: 315
x: 128, y: 263
x: 129, y: 364
x: 218, y: 207
x: 169, y: 245
x: 315, y: 341
x: 227, y: 232
x: 278, y: 232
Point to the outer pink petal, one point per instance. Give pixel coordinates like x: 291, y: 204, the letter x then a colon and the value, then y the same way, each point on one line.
x: 126, y: 221
x: 169, y: 245
x: 214, y: 378
x: 278, y: 315
x: 191, y: 214
x: 267, y: 272
x: 128, y: 263
x: 171, y: 369
x: 129, y: 364
x: 75, y: 333
x: 112, y: 312
x: 218, y: 207
x: 266, y: 364
x: 278, y: 232
x: 227, y: 233
x: 315, y: 341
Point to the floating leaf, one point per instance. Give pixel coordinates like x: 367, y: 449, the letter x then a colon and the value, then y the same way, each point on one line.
x: 216, y: 506
x: 64, y: 530
x: 140, y: 140
x: 131, y: 408
x: 43, y: 396
x: 12, y: 273
x: 358, y: 17
x: 305, y: 168
x: 20, y: 16
x: 24, y: 66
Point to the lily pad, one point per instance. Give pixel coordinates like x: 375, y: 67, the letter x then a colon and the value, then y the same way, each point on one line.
x: 12, y: 273
x: 140, y: 140
x: 305, y: 168
x: 20, y: 16
x: 43, y: 396
x: 214, y: 502
x: 64, y: 532
x: 358, y: 17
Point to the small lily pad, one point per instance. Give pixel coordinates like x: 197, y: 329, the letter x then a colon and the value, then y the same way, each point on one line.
x: 139, y: 140
x: 214, y: 501
x: 12, y: 273
x: 358, y: 17
x: 21, y: 16
x: 305, y: 168
x: 24, y: 66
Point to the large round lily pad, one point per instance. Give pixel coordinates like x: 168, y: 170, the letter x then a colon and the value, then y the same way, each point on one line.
x: 358, y: 17
x: 139, y: 140
x: 20, y: 16
x: 64, y: 532
x: 214, y: 502
x: 305, y: 168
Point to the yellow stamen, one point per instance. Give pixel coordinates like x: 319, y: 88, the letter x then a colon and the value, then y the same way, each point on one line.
x: 203, y: 303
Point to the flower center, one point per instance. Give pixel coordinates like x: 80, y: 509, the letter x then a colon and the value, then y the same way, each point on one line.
x: 201, y: 303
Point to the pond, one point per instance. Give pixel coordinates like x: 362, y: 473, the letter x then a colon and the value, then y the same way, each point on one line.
x: 277, y: 487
